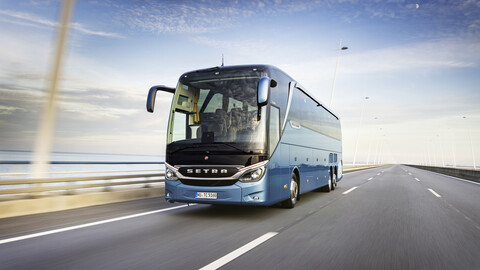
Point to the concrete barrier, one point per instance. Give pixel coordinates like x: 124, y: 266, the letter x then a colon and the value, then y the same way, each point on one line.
x: 39, y: 195
x: 473, y: 175
x: 57, y: 203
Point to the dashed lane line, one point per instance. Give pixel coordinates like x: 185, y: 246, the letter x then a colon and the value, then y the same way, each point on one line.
x: 350, y: 190
x: 434, y: 193
x: 239, y: 252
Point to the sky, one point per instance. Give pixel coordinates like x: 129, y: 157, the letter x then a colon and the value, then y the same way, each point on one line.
x: 418, y: 62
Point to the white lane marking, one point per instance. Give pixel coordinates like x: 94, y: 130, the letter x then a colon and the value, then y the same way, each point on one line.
x: 369, y: 178
x: 434, y: 193
x: 378, y: 173
x: 418, y: 180
x: 14, y: 239
x: 238, y: 252
x: 350, y: 190
x: 410, y: 173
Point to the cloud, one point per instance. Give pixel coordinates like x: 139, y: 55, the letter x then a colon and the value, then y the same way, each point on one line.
x: 243, y: 47
x: 179, y: 17
x: 210, y: 16
x: 79, y: 27
x: 9, y: 109
x: 27, y: 19
x: 438, y: 54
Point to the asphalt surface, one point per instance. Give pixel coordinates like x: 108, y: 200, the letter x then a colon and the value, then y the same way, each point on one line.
x: 392, y: 221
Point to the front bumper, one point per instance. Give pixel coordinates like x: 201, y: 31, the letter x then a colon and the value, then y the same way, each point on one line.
x: 254, y: 193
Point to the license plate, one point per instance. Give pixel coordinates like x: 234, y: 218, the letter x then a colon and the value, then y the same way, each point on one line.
x: 206, y: 195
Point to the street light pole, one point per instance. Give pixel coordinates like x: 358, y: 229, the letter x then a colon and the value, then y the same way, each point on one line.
x: 375, y: 160
x: 441, y: 150
x: 453, y: 149
x: 340, y: 48
x: 358, y: 133
x: 471, y: 144
x: 370, y: 146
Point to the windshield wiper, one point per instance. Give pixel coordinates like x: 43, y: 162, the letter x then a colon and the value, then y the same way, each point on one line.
x: 186, y: 147
x: 250, y: 152
x: 235, y: 147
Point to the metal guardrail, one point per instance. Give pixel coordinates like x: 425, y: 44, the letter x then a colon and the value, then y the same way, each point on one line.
x: 468, y: 174
x: 33, y: 186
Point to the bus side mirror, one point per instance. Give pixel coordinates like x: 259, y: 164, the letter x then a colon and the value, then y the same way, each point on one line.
x: 262, y: 91
x: 152, y: 93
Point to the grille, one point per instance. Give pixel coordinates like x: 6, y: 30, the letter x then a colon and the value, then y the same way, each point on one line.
x: 208, y: 183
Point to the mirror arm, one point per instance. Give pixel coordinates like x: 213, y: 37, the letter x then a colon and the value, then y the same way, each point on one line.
x: 152, y: 93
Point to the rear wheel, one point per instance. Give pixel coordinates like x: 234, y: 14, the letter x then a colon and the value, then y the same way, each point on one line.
x: 290, y: 203
x: 328, y: 187
x: 334, y: 181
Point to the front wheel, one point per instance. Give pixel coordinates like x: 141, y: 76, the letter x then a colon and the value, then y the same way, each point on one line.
x: 290, y: 203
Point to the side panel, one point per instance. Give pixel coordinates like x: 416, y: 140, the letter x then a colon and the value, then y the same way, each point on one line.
x: 279, y: 173
x: 310, y: 153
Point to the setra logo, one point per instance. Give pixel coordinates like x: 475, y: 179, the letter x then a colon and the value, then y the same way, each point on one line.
x: 212, y: 171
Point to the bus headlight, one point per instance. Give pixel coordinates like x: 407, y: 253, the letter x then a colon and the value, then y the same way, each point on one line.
x: 171, y: 175
x: 253, y: 175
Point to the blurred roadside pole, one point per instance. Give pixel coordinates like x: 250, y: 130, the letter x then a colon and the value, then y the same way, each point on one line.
x: 46, y: 127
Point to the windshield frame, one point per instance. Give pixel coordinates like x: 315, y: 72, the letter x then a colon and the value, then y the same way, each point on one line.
x: 184, y: 103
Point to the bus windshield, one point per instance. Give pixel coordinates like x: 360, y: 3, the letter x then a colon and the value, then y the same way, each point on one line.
x: 218, y: 109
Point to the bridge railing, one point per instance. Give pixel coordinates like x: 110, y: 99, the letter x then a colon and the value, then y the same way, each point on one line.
x: 463, y: 173
x: 70, y: 185
x: 21, y: 195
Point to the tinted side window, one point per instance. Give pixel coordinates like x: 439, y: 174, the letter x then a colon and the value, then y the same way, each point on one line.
x: 305, y: 111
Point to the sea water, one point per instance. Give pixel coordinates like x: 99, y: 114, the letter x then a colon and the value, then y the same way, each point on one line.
x: 17, y: 164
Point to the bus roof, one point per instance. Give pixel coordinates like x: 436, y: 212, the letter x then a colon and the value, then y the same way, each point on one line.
x: 260, y: 68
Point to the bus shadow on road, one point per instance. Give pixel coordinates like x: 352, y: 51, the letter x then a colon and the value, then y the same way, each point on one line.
x: 239, y: 212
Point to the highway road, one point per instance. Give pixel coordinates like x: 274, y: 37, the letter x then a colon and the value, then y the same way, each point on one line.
x: 392, y: 217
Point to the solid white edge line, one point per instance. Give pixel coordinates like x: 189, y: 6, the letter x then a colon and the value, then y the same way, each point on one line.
x: 350, y: 190
x: 238, y: 252
x: 434, y: 193
x: 456, y: 178
x: 18, y: 238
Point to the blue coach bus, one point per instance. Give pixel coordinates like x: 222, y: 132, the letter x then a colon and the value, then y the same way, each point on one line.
x: 247, y: 135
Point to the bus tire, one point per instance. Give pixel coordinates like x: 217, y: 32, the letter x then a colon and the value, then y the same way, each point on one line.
x: 334, y: 181
x: 290, y: 202
x: 328, y: 187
